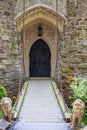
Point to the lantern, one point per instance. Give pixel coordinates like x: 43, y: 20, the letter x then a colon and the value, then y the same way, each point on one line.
x: 40, y: 30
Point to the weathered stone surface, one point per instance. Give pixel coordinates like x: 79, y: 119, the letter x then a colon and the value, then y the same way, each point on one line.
x: 22, y: 125
x: 4, y: 124
x: 85, y: 128
x: 3, y: 55
x: 8, y: 48
x: 73, y: 47
x: 6, y: 38
x: 2, y: 66
x: 50, y: 4
x: 74, y: 54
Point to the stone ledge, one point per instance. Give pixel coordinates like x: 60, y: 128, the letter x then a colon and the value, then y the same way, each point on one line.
x: 61, y: 101
x: 84, y: 128
x: 21, y: 98
x: 4, y: 124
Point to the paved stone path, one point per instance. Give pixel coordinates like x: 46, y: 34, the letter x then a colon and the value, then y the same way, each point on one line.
x: 22, y: 125
x: 40, y: 103
x: 40, y: 110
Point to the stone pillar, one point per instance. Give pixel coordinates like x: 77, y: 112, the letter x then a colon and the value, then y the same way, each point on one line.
x: 9, y: 54
x: 74, y: 43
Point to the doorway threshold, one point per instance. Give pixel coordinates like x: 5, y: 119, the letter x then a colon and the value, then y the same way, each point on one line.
x: 41, y: 78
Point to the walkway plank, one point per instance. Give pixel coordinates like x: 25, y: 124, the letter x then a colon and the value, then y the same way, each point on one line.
x: 4, y: 124
x: 21, y: 125
x: 40, y: 103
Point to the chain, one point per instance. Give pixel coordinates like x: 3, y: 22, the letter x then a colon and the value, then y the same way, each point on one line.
x: 22, y: 50
x: 58, y: 56
x: 57, y: 42
x: 22, y: 57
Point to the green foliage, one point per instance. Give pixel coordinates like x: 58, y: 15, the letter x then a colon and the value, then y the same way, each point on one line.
x: 84, y: 119
x: 0, y: 114
x: 3, y: 92
x: 79, y: 87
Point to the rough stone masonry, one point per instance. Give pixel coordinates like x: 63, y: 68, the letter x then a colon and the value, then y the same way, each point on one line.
x: 74, y: 43
x: 9, y: 54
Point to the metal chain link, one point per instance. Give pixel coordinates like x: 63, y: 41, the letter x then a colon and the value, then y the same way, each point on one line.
x: 22, y: 50
x: 22, y: 57
x: 57, y: 41
x: 58, y: 56
x: 58, y: 53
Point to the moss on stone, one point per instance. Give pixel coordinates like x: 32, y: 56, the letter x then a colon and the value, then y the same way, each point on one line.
x: 64, y: 70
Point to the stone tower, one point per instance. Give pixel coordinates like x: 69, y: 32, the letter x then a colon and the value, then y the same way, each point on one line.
x: 74, y: 43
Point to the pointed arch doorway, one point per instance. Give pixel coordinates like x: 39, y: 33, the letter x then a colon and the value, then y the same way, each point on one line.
x: 40, y: 59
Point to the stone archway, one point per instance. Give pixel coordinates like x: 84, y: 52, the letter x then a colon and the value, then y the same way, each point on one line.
x: 48, y: 37
x: 40, y: 59
x: 47, y: 18
x: 44, y: 13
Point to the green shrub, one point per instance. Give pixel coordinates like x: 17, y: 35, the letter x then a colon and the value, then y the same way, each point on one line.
x: 0, y: 114
x: 3, y: 92
x: 84, y: 119
x: 79, y: 87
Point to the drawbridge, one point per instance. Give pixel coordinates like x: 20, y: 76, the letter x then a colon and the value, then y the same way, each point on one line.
x: 40, y: 109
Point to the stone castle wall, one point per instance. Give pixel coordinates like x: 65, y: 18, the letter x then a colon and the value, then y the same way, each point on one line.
x: 9, y: 54
x: 74, y: 43
x: 47, y: 3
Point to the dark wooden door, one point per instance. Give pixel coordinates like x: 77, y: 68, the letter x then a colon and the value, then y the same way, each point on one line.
x: 40, y: 59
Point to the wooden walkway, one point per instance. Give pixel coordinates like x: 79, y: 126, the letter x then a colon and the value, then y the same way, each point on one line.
x: 40, y: 103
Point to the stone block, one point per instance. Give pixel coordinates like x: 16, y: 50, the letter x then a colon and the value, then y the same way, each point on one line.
x: 6, y: 38
x: 4, y: 124
x: 3, y: 55
x: 2, y: 66
x: 6, y: 62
